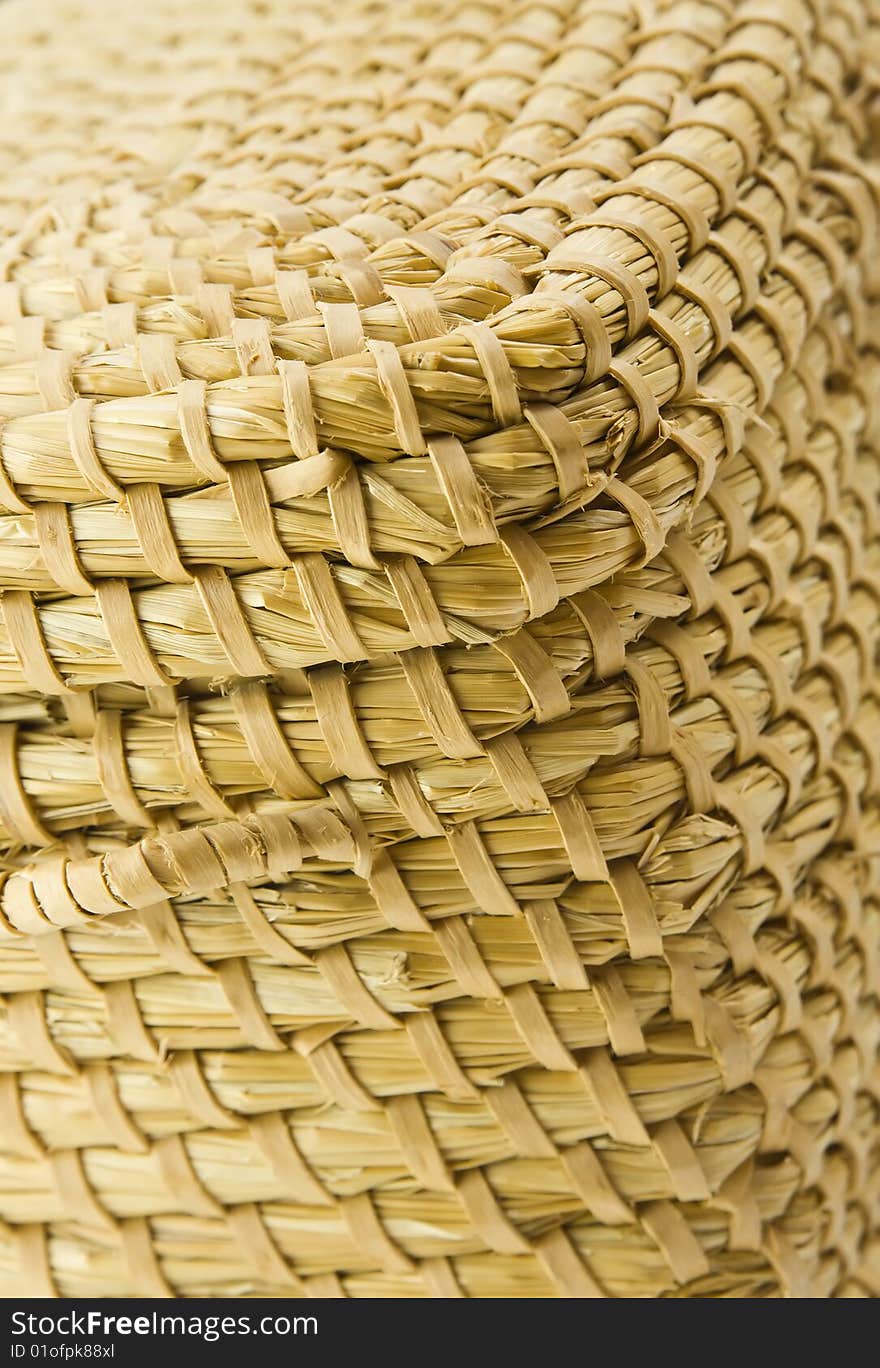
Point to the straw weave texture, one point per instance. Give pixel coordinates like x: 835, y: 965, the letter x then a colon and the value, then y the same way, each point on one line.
x: 439, y: 712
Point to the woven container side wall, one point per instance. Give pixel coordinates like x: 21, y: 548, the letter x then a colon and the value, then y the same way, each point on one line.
x: 439, y: 584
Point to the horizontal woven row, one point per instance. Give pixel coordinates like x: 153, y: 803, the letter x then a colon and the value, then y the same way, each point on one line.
x: 439, y: 622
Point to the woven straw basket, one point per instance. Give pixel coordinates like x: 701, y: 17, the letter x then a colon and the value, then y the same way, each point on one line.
x: 440, y: 564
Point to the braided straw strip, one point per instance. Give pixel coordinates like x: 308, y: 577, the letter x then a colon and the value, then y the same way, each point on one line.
x: 157, y: 37
x: 783, y: 970
x: 806, y: 1154
x: 249, y: 627
x: 640, y: 1227
x: 745, y: 898
x: 293, y: 922
x: 567, y: 636
x: 474, y: 284
x: 472, y: 77
x: 476, y: 560
x: 784, y: 1268
x: 471, y: 85
x: 165, y: 768
x: 234, y: 352
x: 669, y: 50
x: 592, y: 45
x: 367, y: 387
x: 97, y: 324
x: 664, y: 64
x: 611, y: 1007
x: 317, y: 69
x: 103, y: 541
x: 299, y: 719
x: 801, y: 1140
x: 320, y: 95
x: 542, y: 347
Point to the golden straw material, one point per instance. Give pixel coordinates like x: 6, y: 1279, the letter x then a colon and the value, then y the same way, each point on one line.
x: 439, y: 626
